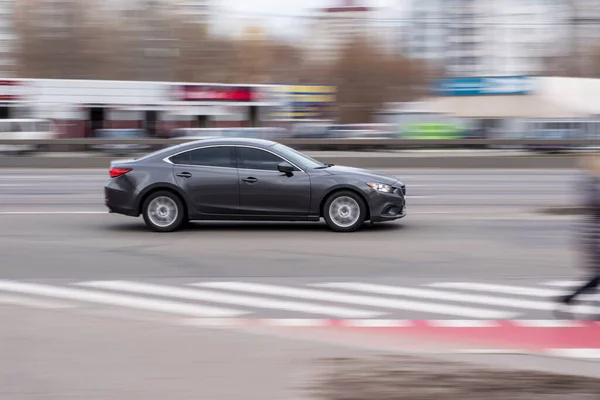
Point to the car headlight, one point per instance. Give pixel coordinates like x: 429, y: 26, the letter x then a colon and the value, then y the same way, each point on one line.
x: 380, y: 187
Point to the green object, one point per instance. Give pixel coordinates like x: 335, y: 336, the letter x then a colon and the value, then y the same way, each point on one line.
x: 431, y: 130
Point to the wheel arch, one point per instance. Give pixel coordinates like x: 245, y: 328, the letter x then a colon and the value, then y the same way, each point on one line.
x: 338, y: 189
x: 159, y: 187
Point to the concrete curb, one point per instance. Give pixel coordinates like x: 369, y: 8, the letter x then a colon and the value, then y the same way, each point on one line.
x: 360, y: 161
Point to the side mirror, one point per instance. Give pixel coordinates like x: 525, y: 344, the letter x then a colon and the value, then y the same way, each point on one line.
x: 286, y: 168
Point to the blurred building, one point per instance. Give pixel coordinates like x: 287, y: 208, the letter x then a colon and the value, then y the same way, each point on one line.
x: 482, y: 37
x: 334, y: 26
x: 8, y: 39
x: 584, y: 34
x: 197, y: 10
x: 585, y: 19
x: 426, y: 29
x: 194, y: 10
x: 80, y: 107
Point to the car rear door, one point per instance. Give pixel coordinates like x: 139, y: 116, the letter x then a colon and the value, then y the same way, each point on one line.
x: 264, y: 191
x: 209, y: 177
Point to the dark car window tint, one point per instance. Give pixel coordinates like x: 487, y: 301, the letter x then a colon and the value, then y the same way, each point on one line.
x: 257, y: 159
x: 183, y: 158
x: 208, y: 156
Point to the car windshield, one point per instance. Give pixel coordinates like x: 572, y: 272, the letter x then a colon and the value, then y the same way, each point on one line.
x: 296, y: 157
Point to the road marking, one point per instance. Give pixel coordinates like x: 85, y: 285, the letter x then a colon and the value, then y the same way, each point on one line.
x: 564, y: 284
x: 118, y: 300
x: 295, y: 322
x: 68, y: 177
x: 551, y: 323
x: 35, y: 303
x: 52, y: 212
x: 226, y: 298
x: 362, y: 300
x: 575, y: 353
x: 505, y: 289
x: 208, y: 322
x: 14, y: 185
x: 467, y: 323
x: 378, y: 323
x: 437, y: 295
x: 487, y: 351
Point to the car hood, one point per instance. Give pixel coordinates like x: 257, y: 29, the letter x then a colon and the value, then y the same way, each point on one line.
x: 374, y: 177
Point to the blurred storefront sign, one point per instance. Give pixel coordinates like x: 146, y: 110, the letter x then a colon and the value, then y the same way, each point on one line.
x: 216, y: 93
x: 11, y: 90
x: 481, y: 86
x: 304, y: 101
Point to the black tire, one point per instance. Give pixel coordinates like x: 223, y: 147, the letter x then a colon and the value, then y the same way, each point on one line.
x: 339, y: 196
x: 172, y: 200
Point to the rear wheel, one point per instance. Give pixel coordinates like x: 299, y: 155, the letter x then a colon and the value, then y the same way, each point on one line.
x: 344, y: 211
x: 163, y: 212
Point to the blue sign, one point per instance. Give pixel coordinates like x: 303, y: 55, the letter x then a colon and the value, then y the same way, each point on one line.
x: 481, y: 86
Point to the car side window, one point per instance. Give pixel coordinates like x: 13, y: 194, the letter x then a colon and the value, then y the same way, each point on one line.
x: 218, y: 156
x: 251, y: 158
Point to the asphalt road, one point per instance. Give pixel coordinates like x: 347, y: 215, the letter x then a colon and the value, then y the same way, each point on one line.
x: 463, y: 226
x: 469, y: 191
x: 95, y: 306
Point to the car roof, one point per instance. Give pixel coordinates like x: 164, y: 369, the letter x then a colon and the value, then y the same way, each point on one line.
x: 229, y: 141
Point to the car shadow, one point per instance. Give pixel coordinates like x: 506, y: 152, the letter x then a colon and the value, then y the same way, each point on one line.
x: 223, y: 226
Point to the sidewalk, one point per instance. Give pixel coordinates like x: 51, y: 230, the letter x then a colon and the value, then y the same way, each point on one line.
x: 64, y: 355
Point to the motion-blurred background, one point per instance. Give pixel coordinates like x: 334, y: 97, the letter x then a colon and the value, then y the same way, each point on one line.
x: 422, y: 69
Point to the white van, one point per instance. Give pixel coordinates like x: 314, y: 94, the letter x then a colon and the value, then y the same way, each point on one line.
x: 26, y: 129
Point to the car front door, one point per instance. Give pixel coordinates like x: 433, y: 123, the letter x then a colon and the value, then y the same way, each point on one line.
x: 264, y: 191
x: 209, y: 177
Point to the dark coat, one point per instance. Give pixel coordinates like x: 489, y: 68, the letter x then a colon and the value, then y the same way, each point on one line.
x: 589, y: 228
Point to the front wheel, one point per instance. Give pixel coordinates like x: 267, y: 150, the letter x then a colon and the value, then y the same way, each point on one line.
x: 163, y: 212
x: 344, y: 211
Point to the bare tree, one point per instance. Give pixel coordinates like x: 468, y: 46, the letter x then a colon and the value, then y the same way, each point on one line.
x: 367, y: 78
x: 52, y: 39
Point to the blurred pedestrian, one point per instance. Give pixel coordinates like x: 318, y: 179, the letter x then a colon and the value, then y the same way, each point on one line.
x: 589, y: 228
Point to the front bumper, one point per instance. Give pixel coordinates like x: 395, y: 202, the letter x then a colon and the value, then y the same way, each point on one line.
x: 387, y: 206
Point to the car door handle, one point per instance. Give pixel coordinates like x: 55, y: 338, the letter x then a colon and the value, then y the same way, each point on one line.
x: 184, y: 174
x: 250, y: 179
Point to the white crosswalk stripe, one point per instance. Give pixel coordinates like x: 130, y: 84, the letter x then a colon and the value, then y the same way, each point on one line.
x: 564, y: 284
x: 505, y: 289
x: 226, y: 298
x: 118, y: 300
x: 437, y: 295
x: 275, y: 290
x: 474, y: 303
x: 494, y: 288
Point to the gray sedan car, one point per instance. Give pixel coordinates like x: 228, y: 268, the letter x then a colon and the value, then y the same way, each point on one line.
x: 248, y: 179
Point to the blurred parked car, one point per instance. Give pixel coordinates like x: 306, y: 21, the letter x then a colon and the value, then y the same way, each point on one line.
x: 120, y: 149
x: 552, y: 134
x: 310, y: 131
x: 362, y: 131
x: 25, y: 129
